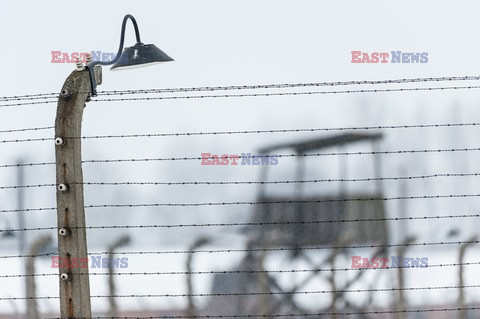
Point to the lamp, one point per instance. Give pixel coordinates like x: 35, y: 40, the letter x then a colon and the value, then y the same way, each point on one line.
x: 136, y: 56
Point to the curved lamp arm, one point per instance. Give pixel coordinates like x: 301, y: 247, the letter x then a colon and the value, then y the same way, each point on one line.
x: 91, y: 65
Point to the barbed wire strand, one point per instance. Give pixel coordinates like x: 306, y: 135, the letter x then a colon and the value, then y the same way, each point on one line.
x: 28, y: 186
x: 328, y: 180
x: 320, y: 314
x: 258, y: 156
x: 252, y: 87
x: 280, y: 201
x: 289, y: 85
x: 250, y: 250
x: 30, y: 129
x: 229, y: 272
x: 270, y: 293
x: 150, y: 135
x: 282, y: 249
x: 25, y: 140
x: 27, y: 164
x: 248, y: 224
x: 189, y: 97
x: 281, y: 94
x: 249, y: 202
x: 451, y: 150
x: 354, y: 128
x: 29, y: 96
x: 28, y: 103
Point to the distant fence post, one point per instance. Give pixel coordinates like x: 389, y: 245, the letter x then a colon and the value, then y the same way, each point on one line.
x: 122, y: 241
x: 202, y: 241
x: 30, y: 287
x: 461, y: 293
x: 72, y: 239
x: 401, y: 303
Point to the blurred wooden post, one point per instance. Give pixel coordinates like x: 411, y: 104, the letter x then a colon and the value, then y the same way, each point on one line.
x: 461, y: 292
x: 202, y: 241
x: 72, y: 239
x: 333, y: 287
x: 20, y: 206
x: 32, y: 311
x: 401, y: 303
x: 122, y: 241
x: 263, y: 283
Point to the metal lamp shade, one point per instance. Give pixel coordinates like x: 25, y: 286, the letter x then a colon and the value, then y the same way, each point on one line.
x: 140, y: 55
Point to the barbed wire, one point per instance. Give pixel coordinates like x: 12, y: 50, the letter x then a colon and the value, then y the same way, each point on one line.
x: 150, y: 135
x: 450, y: 150
x: 234, y: 203
x: 251, y: 250
x: 289, y: 85
x: 328, y: 180
x: 26, y: 210
x: 188, y: 97
x: 227, y: 272
x: 290, y: 155
x: 318, y: 314
x: 248, y: 224
x: 27, y: 164
x: 39, y: 139
x: 282, y: 249
x: 280, y: 201
x: 253, y: 87
x: 28, y: 103
x: 30, y: 129
x: 28, y: 186
x: 354, y: 128
x: 270, y: 293
x: 29, y: 96
x: 251, y: 203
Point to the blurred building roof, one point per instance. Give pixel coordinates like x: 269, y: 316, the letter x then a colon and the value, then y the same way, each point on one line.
x: 324, y: 142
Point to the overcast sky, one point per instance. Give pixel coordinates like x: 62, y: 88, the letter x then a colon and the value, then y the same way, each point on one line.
x: 217, y: 43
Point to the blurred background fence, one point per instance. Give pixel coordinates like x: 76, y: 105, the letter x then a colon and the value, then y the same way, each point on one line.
x: 308, y: 237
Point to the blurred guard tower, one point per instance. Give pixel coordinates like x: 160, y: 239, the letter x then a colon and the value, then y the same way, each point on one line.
x: 323, y: 207
x: 301, y: 234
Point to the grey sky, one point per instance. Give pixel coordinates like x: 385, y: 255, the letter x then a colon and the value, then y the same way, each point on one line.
x: 218, y: 43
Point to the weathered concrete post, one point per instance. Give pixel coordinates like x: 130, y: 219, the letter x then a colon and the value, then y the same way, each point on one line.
x: 72, y: 239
